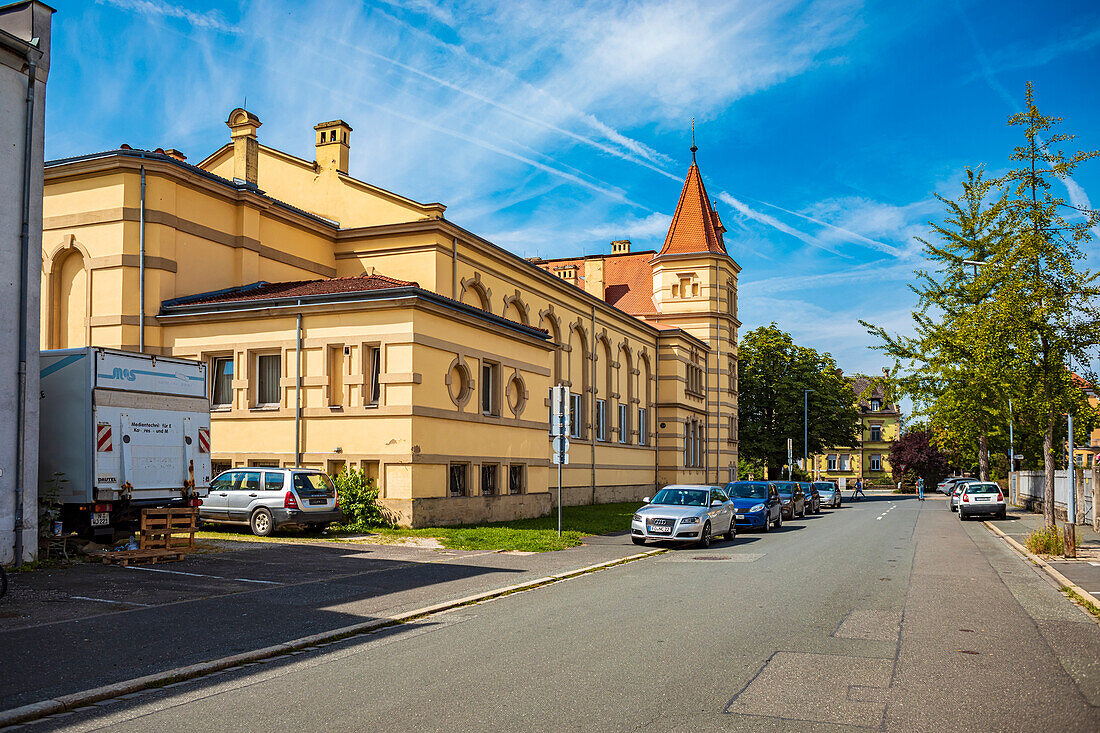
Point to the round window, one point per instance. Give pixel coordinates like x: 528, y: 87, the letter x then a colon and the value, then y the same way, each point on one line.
x: 458, y: 383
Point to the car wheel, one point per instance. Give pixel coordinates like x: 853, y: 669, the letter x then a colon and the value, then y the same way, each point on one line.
x: 262, y: 524
x: 779, y: 521
x: 704, y: 538
x: 768, y: 521
x: 803, y: 512
x: 731, y: 534
x: 1003, y: 514
x: 962, y: 516
x: 638, y: 540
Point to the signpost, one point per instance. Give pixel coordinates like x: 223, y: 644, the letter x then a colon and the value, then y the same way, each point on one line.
x: 559, y: 430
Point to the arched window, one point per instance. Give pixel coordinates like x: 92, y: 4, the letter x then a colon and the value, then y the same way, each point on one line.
x: 71, y: 299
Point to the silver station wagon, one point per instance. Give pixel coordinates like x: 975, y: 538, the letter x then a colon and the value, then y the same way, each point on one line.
x: 685, y: 513
x: 269, y: 498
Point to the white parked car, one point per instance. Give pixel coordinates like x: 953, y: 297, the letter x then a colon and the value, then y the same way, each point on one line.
x: 982, y: 497
x: 685, y: 513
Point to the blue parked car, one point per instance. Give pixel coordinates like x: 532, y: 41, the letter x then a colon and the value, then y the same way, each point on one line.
x: 813, y: 497
x: 756, y: 504
x: 791, y: 498
x: 830, y: 494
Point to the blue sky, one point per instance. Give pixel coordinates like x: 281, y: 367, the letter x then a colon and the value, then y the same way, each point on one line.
x: 552, y: 128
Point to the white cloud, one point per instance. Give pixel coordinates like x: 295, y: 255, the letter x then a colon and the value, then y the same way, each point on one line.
x: 206, y: 21
x: 767, y: 219
x: 654, y: 225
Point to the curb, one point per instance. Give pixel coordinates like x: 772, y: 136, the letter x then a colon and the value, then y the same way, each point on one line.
x: 62, y: 703
x: 1054, y: 574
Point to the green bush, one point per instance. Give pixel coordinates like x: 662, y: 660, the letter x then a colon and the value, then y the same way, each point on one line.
x: 359, y: 499
x: 1045, y: 541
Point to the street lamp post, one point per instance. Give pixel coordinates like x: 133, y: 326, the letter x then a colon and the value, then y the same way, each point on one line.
x: 806, y: 430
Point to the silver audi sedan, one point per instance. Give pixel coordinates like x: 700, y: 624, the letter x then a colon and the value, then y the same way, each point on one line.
x: 685, y: 513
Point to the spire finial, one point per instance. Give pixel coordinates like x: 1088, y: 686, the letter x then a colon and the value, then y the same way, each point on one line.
x: 694, y: 147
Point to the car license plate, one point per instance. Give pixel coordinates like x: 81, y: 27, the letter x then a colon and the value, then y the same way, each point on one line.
x: 101, y: 519
x: 318, y: 501
x: 982, y: 498
x: 740, y: 516
x: 660, y: 530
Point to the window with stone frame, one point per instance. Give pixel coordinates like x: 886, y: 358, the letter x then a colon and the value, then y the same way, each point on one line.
x: 457, y: 474
x: 489, y: 473
x: 517, y: 479
x: 876, y: 433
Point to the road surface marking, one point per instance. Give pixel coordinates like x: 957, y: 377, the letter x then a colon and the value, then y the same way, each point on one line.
x: 1097, y: 564
x: 104, y: 600
x: 200, y: 575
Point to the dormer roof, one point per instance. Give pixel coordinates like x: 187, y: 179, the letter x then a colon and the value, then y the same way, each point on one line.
x: 695, y: 225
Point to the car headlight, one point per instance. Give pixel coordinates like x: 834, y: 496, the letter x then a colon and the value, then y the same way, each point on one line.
x: 757, y: 508
x: 689, y: 520
x: 637, y: 517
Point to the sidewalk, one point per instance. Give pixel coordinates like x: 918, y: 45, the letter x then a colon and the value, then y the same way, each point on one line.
x: 1084, y: 571
x: 90, y: 625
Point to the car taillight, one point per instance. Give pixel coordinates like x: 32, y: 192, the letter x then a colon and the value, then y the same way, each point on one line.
x: 1000, y: 496
x: 966, y: 498
x: 102, y: 507
x: 289, y: 502
x: 195, y: 502
x: 337, y: 498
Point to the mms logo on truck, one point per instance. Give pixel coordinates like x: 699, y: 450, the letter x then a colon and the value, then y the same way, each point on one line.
x: 120, y: 373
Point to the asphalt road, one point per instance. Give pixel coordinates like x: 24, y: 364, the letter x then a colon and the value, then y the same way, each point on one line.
x: 886, y: 614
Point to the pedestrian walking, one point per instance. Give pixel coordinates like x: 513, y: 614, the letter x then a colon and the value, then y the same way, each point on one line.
x: 920, y: 489
x: 859, y: 490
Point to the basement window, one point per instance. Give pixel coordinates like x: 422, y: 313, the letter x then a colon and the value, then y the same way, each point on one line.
x: 489, y: 479
x: 456, y: 479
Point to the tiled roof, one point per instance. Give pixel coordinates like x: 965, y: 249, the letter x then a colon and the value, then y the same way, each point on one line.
x: 295, y: 289
x: 627, y: 279
x: 695, y: 225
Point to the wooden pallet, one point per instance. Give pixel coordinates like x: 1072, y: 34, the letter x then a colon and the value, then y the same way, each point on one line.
x: 138, y: 557
x: 168, y: 529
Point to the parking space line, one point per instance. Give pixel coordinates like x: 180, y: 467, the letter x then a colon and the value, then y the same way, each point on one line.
x: 104, y: 600
x: 201, y: 575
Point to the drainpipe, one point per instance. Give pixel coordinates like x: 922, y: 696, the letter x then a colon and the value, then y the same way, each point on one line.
x: 141, y: 266
x: 298, y: 391
x: 717, y: 379
x: 24, y: 251
x: 592, y: 355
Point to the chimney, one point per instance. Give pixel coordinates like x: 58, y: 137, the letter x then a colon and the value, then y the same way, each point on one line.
x: 333, y: 145
x: 593, y: 277
x: 173, y: 153
x: 246, y: 150
x: 620, y: 247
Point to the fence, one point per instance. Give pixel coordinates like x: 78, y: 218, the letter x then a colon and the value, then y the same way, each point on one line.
x: 1029, y: 491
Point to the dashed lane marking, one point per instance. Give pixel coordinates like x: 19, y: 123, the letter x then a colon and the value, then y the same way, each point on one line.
x: 104, y: 600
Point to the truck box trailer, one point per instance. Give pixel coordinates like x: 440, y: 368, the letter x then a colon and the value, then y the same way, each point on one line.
x: 120, y: 432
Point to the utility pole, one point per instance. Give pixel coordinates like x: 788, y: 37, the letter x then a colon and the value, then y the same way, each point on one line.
x: 806, y: 430
x: 1011, y: 456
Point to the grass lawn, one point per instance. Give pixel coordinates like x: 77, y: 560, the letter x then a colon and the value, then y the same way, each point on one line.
x: 527, y: 535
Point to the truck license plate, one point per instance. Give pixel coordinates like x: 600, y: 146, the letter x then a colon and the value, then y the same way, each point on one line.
x: 101, y: 519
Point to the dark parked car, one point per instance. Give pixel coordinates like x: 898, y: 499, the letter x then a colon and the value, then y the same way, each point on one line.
x: 813, y: 497
x: 792, y: 499
x: 756, y: 503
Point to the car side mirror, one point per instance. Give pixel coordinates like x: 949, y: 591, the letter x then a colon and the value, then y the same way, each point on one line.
x: 645, y: 500
x: 716, y: 502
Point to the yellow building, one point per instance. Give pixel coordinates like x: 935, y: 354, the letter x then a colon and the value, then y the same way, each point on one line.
x: 879, y: 427
x: 348, y: 325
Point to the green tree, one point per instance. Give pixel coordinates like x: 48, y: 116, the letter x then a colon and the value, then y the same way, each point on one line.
x: 1044, y: 299
x: 773, y: 372
x: 954, y: 365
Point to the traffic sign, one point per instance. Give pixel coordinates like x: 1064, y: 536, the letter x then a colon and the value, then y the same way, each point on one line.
x: 561, y: 444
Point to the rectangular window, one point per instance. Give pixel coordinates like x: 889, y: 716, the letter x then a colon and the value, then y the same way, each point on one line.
x: 845, y: 463
x: 268, y: 374
x: 876, y: 463
x: 643, y: 425
x: 875, y: 405
x: 373, y: 389
x: 516, y: 479
x: 624, y: 423
x: 217, y: 467
x: 732, y: 427
x: 831, y: 462
x: 876, y: 433
x: 488, y: 479
x: 221, y: 374
x: 456, y: 479
x: 576, y: 415
x: 732, y: 376
x: 336, y: 376
x: 687, y: 445
x: 601, y: 420
x: 490, y: 383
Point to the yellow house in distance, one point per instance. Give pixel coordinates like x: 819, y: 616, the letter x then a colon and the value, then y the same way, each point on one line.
x: 879, y: 427
x: 348, y: 325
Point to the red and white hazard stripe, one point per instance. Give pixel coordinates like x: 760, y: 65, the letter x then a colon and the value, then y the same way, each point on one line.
x: 204, y: 440
x: 103, y: 437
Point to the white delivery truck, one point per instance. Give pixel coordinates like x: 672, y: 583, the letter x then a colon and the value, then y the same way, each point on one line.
x: 121, y: 432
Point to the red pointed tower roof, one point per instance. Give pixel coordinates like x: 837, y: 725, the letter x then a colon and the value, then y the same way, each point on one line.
x: 695, y: 226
